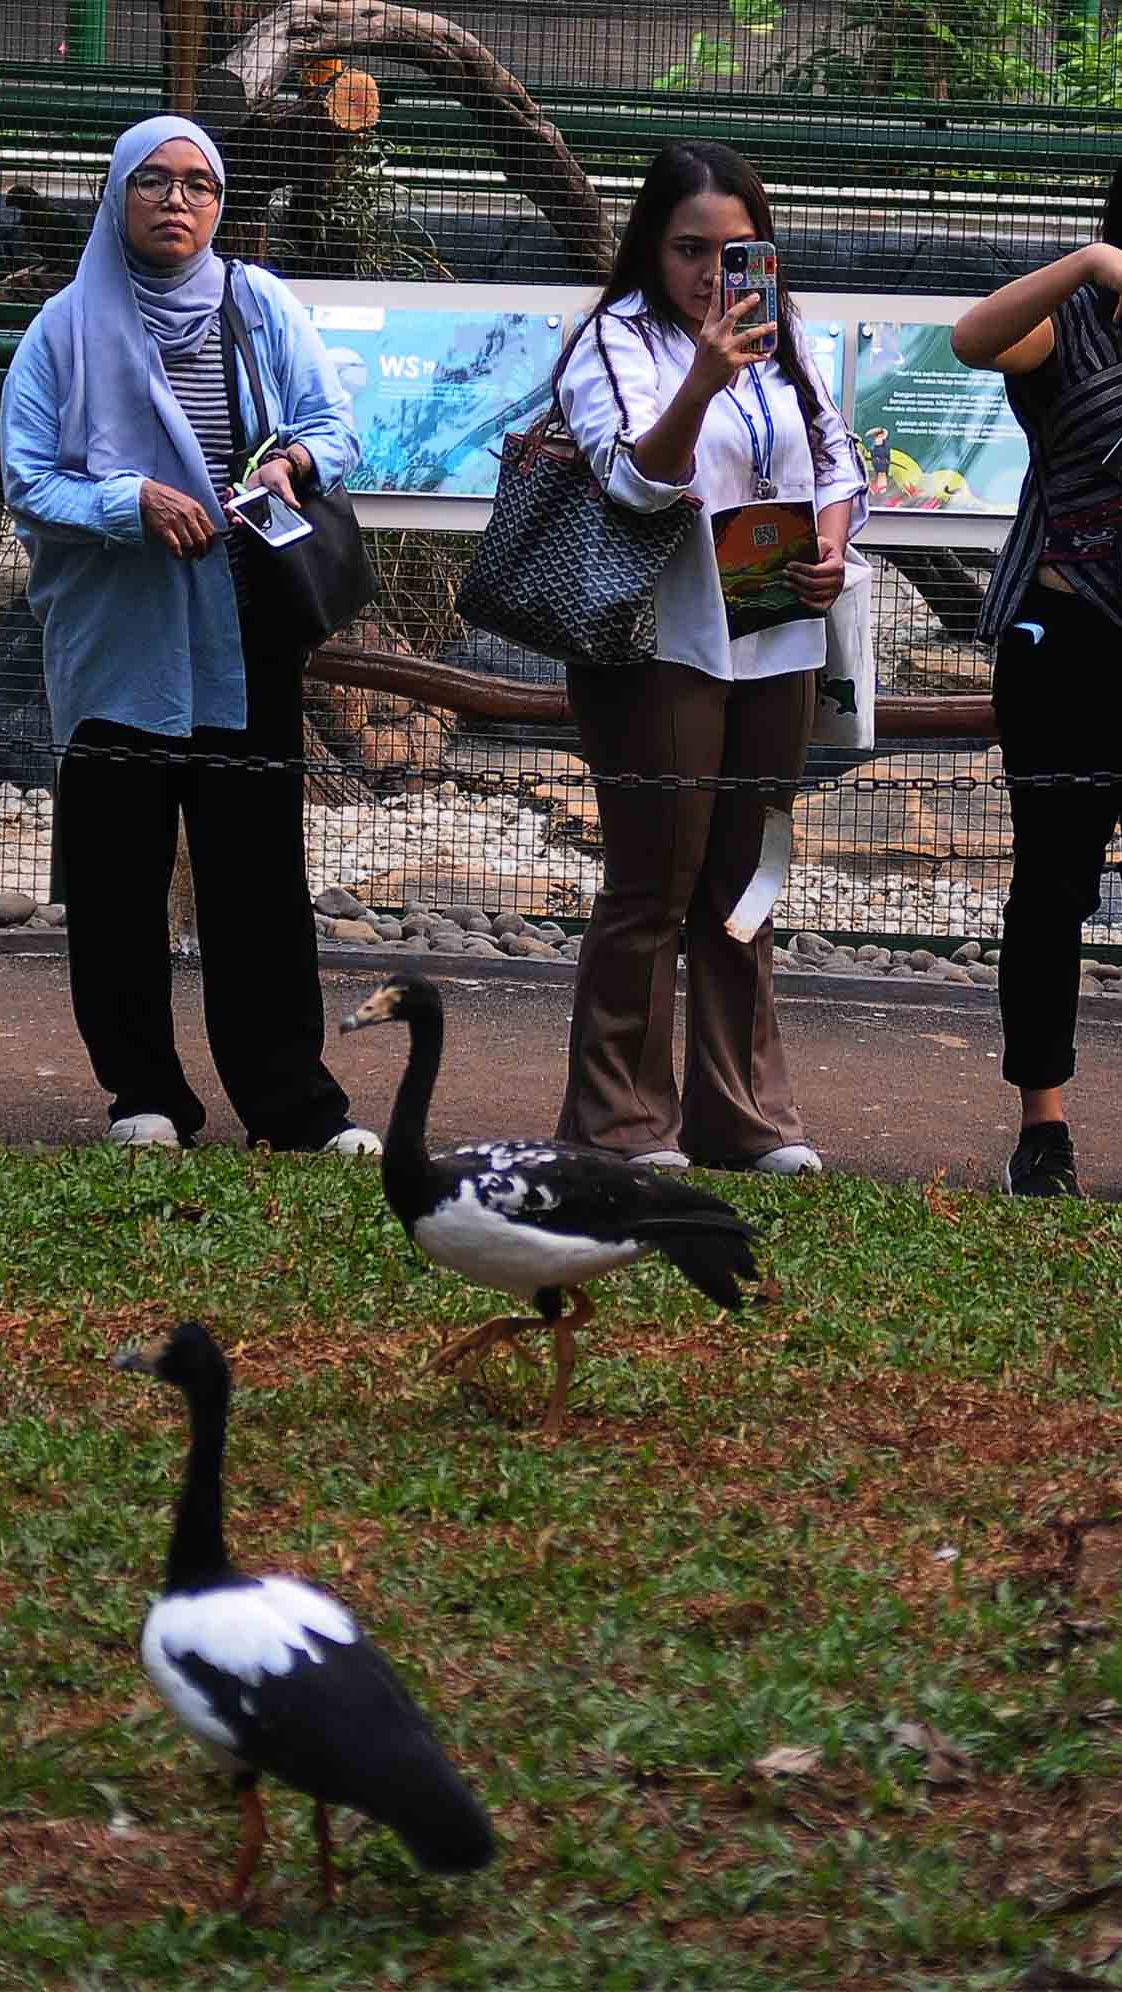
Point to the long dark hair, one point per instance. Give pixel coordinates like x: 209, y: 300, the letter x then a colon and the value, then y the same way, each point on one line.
x: 697, y: 166
x: 1110, y: 225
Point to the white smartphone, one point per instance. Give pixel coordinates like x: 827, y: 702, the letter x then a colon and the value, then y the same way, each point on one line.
x: 269, y: 517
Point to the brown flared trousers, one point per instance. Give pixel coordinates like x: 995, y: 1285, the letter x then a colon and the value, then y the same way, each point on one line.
x: 674, y: 856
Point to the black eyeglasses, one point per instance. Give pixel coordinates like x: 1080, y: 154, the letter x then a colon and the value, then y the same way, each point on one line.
x: 155, y: 186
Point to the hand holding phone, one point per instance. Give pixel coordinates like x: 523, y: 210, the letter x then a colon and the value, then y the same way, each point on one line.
x: 722, y: 345
x: 748, y: 267
x: 268, y: 516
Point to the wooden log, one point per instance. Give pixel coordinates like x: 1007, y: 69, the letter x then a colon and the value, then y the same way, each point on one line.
x: 185, y: 25
x: 929, y: 717
x: 445, y: 685
x: 352, y: 103
x: 533, y: 154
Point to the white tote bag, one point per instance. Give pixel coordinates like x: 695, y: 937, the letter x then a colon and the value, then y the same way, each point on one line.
x: 845, y: 701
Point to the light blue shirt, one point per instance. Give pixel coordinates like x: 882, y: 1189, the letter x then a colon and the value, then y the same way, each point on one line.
x: 130, y: 633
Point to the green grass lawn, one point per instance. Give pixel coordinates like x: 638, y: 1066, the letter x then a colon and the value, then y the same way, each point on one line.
x: 888, y: 1496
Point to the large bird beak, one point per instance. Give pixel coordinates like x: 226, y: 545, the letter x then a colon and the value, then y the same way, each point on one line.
x: 142, y: 1356
x: 379, y: 1008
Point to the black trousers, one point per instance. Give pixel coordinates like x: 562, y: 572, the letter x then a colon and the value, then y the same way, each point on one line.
x: 1057, y: 694
x: 118, y: 822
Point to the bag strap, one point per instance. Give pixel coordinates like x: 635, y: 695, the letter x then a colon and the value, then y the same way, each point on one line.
x: 235, y: 339
x: 613, y: 383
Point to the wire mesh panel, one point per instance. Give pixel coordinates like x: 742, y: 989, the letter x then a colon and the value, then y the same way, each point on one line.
x: 913, y: 145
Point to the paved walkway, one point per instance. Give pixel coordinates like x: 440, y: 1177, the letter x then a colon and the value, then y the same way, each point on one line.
x: 890, y: 1091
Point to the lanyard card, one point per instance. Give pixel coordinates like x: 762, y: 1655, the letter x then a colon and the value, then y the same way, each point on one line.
x: 755, y: 544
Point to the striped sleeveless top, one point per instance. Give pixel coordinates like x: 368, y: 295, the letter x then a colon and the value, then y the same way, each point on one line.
x: 198, y: 383
x: 1070, y: 511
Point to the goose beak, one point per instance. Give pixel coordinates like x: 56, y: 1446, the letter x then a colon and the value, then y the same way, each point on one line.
x: 380, y: 1007
x: 139, y: 1356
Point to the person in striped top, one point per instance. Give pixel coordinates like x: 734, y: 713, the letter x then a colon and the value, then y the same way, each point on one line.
x: 1054, y: 612
x: 117, y: 442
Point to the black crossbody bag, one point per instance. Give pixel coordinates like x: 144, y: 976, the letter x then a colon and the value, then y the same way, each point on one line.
x: 299, y: 594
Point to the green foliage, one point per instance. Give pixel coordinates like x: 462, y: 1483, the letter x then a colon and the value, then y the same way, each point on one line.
x: 957, y: 51
x: 1051, y: 52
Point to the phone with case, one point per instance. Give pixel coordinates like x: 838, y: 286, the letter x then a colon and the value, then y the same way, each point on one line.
x: 747, y: 267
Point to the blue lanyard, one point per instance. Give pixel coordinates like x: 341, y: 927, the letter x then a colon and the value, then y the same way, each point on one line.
x: 761, y: 460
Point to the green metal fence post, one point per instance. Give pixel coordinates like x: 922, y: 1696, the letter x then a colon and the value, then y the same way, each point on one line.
x: 86, y: 22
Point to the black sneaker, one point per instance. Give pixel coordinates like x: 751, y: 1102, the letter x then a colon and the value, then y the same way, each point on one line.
x: 1043, y: 1163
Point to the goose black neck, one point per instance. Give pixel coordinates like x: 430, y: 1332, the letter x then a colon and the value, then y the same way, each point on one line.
x: 406, y: 1169
x: 198, y: 1552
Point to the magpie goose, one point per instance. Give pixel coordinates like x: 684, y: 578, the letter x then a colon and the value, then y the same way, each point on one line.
x: 535, y: 1219
x: 271, y: 1675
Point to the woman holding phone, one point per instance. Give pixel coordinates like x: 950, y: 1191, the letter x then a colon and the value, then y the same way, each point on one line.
x: 1054, y: 611
x: 117, y: 448
x: 735, y: 412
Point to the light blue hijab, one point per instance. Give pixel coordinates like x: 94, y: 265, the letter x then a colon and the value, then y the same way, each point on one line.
x: 108, y: 331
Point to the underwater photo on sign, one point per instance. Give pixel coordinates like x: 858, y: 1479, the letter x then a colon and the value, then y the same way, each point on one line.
x: 433, y: 392
x: 936, y: 436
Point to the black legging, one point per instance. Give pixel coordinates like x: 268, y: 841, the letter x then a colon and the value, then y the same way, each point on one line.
x: 264, y: 1010
x: 1057, y: 694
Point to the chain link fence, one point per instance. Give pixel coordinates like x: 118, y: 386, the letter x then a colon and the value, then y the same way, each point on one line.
x: 937, y: 147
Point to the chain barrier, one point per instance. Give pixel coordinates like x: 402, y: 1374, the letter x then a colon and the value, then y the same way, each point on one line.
x: 533, y: 777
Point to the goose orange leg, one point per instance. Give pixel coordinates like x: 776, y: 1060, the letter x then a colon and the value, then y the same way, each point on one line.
x: 478, y: 1343
x: 252, y: 1840
x: 565, y: 1351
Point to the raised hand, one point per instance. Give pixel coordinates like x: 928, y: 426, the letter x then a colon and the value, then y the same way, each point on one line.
x: 726, y: 345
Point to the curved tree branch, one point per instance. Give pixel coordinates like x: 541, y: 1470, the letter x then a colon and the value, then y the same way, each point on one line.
x: 533, y: 154
x: 943, y: 716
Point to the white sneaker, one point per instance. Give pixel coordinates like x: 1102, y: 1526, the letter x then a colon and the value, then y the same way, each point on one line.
x: 795, y: 1160
x: 662, y: 1158
x: 144, y: 1131
x: 353, y: 1141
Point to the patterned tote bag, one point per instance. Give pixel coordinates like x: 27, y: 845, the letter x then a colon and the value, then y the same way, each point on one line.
x: 562, y: 568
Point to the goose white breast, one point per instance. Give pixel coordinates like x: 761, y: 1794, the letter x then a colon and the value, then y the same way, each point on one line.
x: 487, y: 1243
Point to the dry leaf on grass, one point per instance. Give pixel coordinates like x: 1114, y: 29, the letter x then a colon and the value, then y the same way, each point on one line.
x: 947, y: 1763
x: 1081, y: 1630
x: 1076, y: 1900
x: 1104, y: 1711
x: 787, y: 1762
x: 767, y: 1292
x: 1045, y: 1977
x: 1104, y: 1944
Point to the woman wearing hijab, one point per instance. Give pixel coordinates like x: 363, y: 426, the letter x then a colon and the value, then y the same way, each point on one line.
x: 117, y: 443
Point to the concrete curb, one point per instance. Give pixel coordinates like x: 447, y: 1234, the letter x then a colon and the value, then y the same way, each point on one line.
x: 875, y: 990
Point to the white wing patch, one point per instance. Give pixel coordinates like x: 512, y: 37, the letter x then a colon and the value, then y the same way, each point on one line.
x: 507, y: 1155
x: 504, y: 1192
x: 468, y: 1234
x: 246, y: 1631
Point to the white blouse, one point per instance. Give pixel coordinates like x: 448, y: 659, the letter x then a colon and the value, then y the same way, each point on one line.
x: 689, y: 606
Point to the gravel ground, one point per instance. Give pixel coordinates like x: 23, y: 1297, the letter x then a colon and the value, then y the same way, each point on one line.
x: 491, y: 854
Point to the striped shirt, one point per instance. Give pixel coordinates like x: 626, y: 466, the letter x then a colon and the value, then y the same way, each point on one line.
x: 198, y: 382
x: 1070, y: 512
